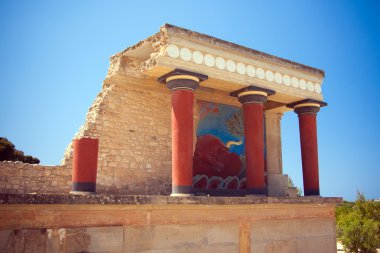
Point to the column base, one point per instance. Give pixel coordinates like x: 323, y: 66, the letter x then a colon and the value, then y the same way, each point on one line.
x: 182, y: 190
x: 311, y: 192
x: 256, y: 191
x: 82, y: 193
x: 84, y: 187
x: 181, y: 194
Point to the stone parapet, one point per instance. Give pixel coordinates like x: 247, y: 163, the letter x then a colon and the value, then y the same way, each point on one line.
x: 107, y: 199
x: 117, y: 223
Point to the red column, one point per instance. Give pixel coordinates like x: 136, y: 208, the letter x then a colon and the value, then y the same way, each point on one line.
x: 254, y: 146
x: 307, y: 115
x: 182, y: 141
x: 253, y: 99
x: 85, y: 161
x: 182, y: 85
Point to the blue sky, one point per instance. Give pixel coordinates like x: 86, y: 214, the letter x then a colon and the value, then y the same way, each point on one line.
x: 55, y: 55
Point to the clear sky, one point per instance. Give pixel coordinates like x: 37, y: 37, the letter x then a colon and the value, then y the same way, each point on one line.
x: 55, y: 55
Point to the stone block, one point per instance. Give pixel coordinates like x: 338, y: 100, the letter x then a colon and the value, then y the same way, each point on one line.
x: 53, y: 242
x: 277, y: 185
x: 4, y: 235
x: 182, y: 238
x: 77, y: 240
x: 292, y: 235
x: 23, y: 240
x: 106, y: 239
x: 325, y: 244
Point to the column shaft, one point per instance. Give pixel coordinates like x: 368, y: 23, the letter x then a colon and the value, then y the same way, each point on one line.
x: 182, y: 84
x: 182, y: 140
x: 307, y: 115
x: 309, y: 151
x: 254, y: 146
x: 253, y: 99
x: 85, y: 162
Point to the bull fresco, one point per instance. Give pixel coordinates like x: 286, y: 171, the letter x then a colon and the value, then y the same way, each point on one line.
x: 219, y: 161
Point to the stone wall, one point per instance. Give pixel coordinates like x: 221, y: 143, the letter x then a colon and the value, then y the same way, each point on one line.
x: 166, y: 224
x: 307, y: 235
x: 18, y: 177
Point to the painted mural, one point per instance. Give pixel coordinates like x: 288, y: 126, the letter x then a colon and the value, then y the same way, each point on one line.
x: 219, y: 161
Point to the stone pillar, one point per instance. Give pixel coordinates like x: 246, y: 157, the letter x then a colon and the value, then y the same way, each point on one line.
x: 277, y: 182
x: 252, y: 99
x: 273, y: 142
x: 307, y: 114
x: 85, y: 162
x: 182, y: 85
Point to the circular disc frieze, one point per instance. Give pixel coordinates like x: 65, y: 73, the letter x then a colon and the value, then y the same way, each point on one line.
x: 197, y: 57
x: 260, y: 73
x: 317, y: 88
x: 220, y: 63
x: 185, y: 54
x: 278, y: 78
x: 287, y: 81
x: 295, y: 83
x: 251, y: 71
x: 231, y: 65
x: 241, y: 69
x: 310, y: 86
x: 209, y: 60
x: 302, y: 83
x: 172, y: 51
x: 269, y: 76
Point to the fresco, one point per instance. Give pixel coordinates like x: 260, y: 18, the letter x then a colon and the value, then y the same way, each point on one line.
x: 219, y: 161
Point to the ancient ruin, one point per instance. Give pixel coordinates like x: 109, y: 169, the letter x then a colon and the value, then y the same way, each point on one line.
x: 179, y: 152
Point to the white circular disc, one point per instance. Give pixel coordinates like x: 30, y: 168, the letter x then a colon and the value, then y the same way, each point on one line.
x: 260, y: 73
x: 172, y: 51
x: 231, y: 65
x: 286, y: 80
x: 197, y: 57
x: 295, y: 83
x: 317, y: 88
x: 220, y: 63
x: 240, y: 67
x: 278, y: 78
x: 310, y: 86
x: 209, y: 60
x: 269, y: 76
x: 185, y: 54
x: 302, y: 84
x: 251, y: 71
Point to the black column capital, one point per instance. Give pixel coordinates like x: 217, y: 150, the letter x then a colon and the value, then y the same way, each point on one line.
x: 307, y: 106
x: 182, y: 79
x: 252, y: 94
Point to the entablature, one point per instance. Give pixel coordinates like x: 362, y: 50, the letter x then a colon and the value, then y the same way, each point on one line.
x: 229, y: 67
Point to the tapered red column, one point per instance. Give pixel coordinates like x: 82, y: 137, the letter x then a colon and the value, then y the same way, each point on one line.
x: 182, y: 85
x: 85, y: 162
x: 253, y: 99
x: 307, y: 115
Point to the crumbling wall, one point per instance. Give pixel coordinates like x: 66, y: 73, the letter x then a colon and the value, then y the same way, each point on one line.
x: 133, y: 128
x: 18, y: 177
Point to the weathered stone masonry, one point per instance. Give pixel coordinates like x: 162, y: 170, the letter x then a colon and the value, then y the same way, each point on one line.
x: 134, y: 135
x: 18, y: 177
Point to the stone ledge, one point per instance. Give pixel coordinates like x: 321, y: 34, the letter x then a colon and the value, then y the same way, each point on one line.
x: 107, y: 199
